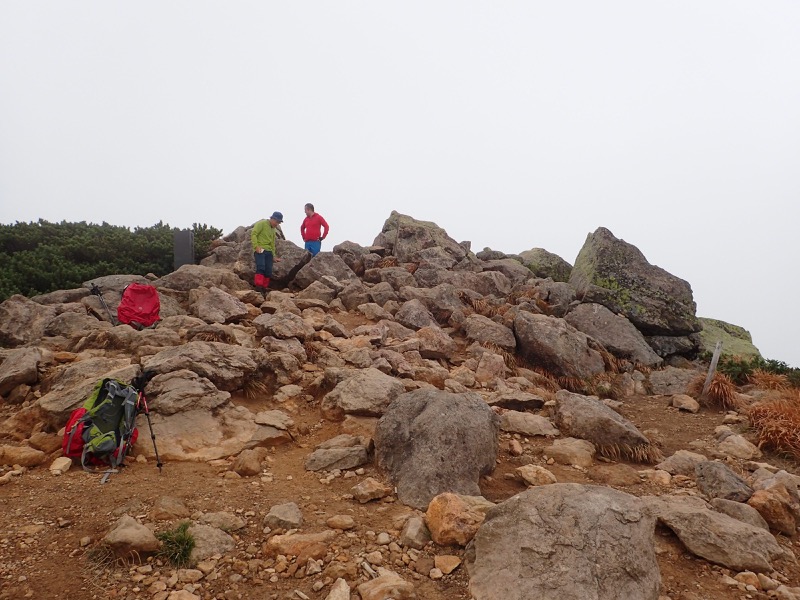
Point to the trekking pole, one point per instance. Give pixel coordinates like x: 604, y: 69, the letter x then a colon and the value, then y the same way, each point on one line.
x: 96, y: 291
x: 141, y: 406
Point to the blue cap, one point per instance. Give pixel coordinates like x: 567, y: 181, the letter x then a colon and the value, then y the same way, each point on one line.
x: 278, y: 216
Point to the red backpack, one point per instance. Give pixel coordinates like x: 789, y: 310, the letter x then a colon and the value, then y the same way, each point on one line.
x: 139, y: 306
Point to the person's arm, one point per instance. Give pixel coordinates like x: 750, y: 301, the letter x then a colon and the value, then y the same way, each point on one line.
x: 324, y: 225
x: 303, y: 229
x: 254, y: 235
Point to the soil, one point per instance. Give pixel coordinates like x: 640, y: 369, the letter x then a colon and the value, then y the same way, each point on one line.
x: 43, y: 518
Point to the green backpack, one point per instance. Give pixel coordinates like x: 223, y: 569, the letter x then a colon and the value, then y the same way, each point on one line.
x: 103, y: 430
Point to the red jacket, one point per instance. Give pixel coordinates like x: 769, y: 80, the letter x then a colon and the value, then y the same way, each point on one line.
x: 310, y: 229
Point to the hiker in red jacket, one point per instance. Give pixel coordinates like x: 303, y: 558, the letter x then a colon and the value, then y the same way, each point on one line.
x: 311, y: 230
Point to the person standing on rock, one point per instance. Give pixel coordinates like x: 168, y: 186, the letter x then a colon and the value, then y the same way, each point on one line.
x: 264, y: 249
x: 312, y: 230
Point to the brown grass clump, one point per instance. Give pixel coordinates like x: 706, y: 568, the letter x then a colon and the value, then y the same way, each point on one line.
x: 388, y: 261
x: 543, y: 379
x: 768, y: 381
x: 411, y: 267
x: 642, y: 453
x: 312, y: 351
x: 777, y: 424
x: 576, y: 385
x: 214, y: 335
x: 604, y: 385
x: 255, y: 389
x: 721, y: 392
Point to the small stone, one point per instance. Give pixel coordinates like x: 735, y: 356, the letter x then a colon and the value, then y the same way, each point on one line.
x: 748, y: 578
x: 375, y: 558
x: 343, y: 522
x: 383, y: 539
x: 436, y: 574
x: 515, y: 448
x: 60, y: 465
x: 370, y: 489
x: 534, y: 475
x: 685, y: 403
x: 446, y: 563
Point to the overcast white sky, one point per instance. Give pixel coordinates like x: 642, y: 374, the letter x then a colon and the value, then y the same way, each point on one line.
x: 511, y: 124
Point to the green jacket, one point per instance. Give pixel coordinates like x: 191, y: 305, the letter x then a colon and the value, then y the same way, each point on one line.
x: 263, y: 235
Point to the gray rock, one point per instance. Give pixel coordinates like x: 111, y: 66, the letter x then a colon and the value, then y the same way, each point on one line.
x: 21, y: 455
x: 225, y: 365
x: 368, y: 393
x: 209, y: 541
x: 557, y: 296
x: 20, y: 367
x: 284, y: 516
x: 671, y: 380
x: 435, y: 343
x: 353, y: 255
x: 717, y: 480
x: 685, y: 403
x: 545, y: 264
x: 217, y: 306
x: 323, y: 264
x: 415, y: 533
x: 317, y: 290
x: 740, y: 512
x: 248, y: 463
x: 674, y: 345
x: 736, y: 341
x: 526, y: 424
x: 381, y: 293
x: 615, y: 332
x: 485, y: 331
x: 571, y: 451
x: 225, y: 521
x: 431, y: 441
x: 514, y: 271
x: 413, y: 314
x: 62, y: 296
x: 612, y: 434
x: 556, y: 346
x: 717, y: 537
x: 353, y: 295
x: 189, y: 277
x: 682, y: 462
x: 129, y: 539
x: 181, y: 390
x: 616, y: 274
x: 523, y: 550
x: 404, y: 236
x: 514, y: 400
x: 283, y: 325
x: 71, y: 324
x: 23, y: 321
x: 337, y: 458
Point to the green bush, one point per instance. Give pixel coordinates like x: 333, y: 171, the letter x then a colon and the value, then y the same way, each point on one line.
x: 740, y: 368
x: 41, y: 257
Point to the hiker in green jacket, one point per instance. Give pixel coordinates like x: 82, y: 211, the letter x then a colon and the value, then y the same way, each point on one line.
x: 264, y: 250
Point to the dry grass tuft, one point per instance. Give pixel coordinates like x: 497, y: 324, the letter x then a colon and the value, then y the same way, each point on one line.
x: 543, y: 379
x: 312, y: 351
x: 388, y: 261
x: 255, y: 389
x: 576, y: 385
x: 214, y: 335
x: 411, y: 267
x: 768, y: 381
x: 721, y: 392
x: 777, y: 424
x: 642, y: 453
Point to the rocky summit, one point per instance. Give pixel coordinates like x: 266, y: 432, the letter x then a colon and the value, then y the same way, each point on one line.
x: 405, y: 420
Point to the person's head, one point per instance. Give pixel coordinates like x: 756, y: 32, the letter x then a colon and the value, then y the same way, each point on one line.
x: 276, y: 219
x: 309, y: 209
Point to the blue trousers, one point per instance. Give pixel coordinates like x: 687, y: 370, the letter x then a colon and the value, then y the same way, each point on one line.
x: 314, y: 247
x: 264, y: 263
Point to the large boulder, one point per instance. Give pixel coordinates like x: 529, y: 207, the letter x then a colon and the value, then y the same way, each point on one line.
x: 352, y: 254
x: 611, y: 272
x: 717, y: 480
x: 514, y: 271
x: 717, y: 537
x: 565, y: 542
x: 189, y: 277
x: 227, y: 366
x: 485, y: 331
x: 323, y: 264
x: 367, y: 393
x: 71, y: 384
x: 611, y: 433
x: 183, y: 390
x: 217, y: 306
x: 404, y: 237
x: 615, y: 332
x: 671, y: 380
x: 556, y: 345
x: 431, y: 441
x: 283, y: 325
x: 23, y: 320
x: 545, y: 264
x: 736, y: 341
x: 21, y: 366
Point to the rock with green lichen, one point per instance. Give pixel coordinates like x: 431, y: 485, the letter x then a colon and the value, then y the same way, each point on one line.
x: 614, y: 273
x: 736, y: 341
x: 546, y: 264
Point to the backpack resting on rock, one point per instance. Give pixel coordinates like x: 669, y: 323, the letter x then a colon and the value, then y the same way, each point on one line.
x: 102, y: 431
